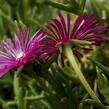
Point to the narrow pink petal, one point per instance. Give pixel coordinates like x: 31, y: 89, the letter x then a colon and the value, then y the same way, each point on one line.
x: 57, y: 32
x: 32, y: 38
x: 17, y: 43
x: 53, y: 33
x: 22, y: 37
x: 98, y: 29
x: 40, y: 36
x: 5, y: 69
x: 94, y: 35
x: 89, y: 20
x: 88, y: 23
x: 27, y: 36
x: 8, y: 49
x: 77, y: 24
x: 4, y: 54
x: 68, y: 26
x: 63, y: 23
x: 60, y: 28
x: 8, y: 44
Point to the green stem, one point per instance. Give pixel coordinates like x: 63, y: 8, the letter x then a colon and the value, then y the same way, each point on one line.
x: 11, y: 103
x: 96, y: 104
x: 69, y: 54
x: 62, y: 7
x: 38, y: 97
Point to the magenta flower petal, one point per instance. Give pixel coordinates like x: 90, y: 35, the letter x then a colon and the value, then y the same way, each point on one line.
x: 27, y: 36
x: 19, y: 52
x: 77, y: 24
x: 60, y: 31
x: 4, y: 69
x: 22, y: 36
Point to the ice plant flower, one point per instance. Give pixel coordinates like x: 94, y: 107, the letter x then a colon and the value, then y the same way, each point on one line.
x: 19, y: 52
x: 67, y: 39
x: 61, y: 32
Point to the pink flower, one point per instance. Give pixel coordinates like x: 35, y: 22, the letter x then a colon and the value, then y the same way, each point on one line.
x: 60, y: 32
x: 19, y: 52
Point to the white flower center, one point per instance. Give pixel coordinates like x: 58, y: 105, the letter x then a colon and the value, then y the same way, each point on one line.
x: 19, y: 55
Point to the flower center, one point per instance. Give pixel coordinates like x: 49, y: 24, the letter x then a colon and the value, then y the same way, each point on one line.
x: 19, y: 55
x: 21, y: 59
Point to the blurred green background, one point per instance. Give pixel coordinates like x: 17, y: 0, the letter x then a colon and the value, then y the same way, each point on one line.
x: 56, y: 91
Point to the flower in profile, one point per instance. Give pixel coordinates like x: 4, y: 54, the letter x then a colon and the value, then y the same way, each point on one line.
x: 19, y: 52
x: 60, y: 32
